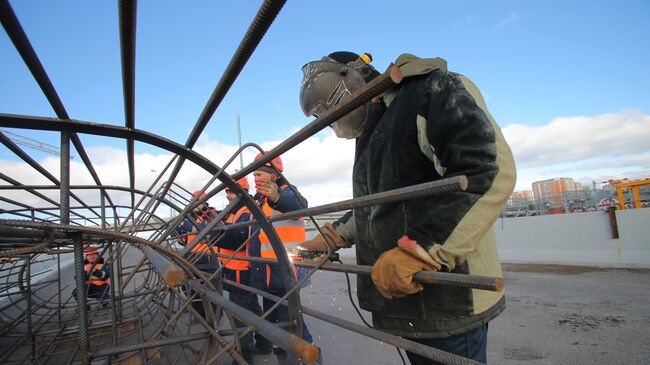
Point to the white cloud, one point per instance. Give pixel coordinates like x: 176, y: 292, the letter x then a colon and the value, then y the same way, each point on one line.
x: 321, y: 167
x: 585, y: 148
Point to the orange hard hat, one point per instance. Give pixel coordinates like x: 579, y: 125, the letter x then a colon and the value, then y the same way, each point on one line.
x: 243, y: 182
x: 276, y: 162
x: 198, y: 194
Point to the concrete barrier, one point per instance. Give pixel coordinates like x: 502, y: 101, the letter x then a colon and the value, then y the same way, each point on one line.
x: 576, y: 239
x: 583, y: 239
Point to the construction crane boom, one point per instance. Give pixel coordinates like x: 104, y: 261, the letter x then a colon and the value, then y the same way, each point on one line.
x: 32, y: 143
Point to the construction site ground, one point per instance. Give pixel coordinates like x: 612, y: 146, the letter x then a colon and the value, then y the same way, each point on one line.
x: 555, y: 315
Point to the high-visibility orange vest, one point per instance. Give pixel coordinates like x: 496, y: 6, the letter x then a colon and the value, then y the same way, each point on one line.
x: 291, y: 232
x: 236, y: 264
x: 93, y: 279
x: 200, y: 247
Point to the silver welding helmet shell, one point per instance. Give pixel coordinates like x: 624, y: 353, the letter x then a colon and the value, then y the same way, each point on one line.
x: 327, y: 84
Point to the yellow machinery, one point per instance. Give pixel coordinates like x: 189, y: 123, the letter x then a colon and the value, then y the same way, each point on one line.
x: 629, y: 184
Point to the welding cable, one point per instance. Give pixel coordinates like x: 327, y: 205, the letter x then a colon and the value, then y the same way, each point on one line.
x: 347, y: 279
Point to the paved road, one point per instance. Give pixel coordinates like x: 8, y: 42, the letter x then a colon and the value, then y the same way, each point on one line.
x: 555, y: 315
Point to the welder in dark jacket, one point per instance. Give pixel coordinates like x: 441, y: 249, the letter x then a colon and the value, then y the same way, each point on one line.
x: 433, y: 125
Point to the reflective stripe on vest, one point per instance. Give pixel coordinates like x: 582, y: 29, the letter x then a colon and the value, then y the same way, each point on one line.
x: 93, y: 279
x: 291, y: 233
x: 200, y: 247
x: 236, y: 264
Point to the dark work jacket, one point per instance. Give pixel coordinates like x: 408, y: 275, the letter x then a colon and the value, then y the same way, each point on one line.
x: 389, y: 156
x: 288, y: 202
x: 232, y: 239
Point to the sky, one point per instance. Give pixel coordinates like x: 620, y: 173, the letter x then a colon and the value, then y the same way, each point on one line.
x: 565, y: 80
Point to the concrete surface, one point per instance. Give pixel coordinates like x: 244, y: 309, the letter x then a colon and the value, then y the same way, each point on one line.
x: 554, y: 315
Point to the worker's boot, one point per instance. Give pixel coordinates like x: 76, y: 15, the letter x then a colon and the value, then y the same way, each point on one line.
x: 281, y: 355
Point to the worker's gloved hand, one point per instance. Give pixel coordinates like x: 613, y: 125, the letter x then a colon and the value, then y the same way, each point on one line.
x: 329, y: 238
x: 184, y: 227
x: 268, y: 188
x: 393, y: 272
x: 97, y: 273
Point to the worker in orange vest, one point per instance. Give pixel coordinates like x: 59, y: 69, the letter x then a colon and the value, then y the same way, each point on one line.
x: 239, y: 270
x: 97, y: 276
x: 192, y: 225
x: 275, y: 196
x: 201, y: 254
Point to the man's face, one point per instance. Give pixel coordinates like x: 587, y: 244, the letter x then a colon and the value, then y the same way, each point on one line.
x: 263, y: 176
x: 201, y: 209
x: 91, y: 257
x: 230, y: 195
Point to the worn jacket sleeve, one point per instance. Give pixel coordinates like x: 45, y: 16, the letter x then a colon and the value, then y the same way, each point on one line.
x: 457, y: 133
x: 289, y: 201
x: 233, y: 238
x: 102, y: 273
x: 344, y: 226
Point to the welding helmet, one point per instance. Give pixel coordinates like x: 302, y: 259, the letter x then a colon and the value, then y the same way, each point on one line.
x: 330, y: 82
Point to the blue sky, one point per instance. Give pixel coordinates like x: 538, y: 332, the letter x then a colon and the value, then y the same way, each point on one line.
x: 534, y: 62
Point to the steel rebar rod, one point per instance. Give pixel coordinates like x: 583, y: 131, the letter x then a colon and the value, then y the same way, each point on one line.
x: 85, y: 187
x: 23, y: 46
x: 25, y: 206
x: 379, y: 84
x: 114, y: 131
x: 287, y: 340
x: 65, y: 177
x: 210, y: 226
x: 80, y: 279
x: 18, y: 344
x: 149, y: 344
x: 9, y: 231
x: 419, y: 191
x: 128, y: 22
x: 411, y: 346
x: 407, y: 345
x: 424, y: 277
x: 35, y: 165
x: 28, y: 279
x: 169, y: 272
x: 20, y: 186
x: 261, y: 23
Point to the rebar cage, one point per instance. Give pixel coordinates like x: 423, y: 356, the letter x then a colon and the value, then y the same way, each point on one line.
x: 46, y: 315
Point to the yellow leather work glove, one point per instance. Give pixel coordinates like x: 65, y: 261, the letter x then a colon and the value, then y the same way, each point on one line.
x: 268, y: 188
x: 393, y: 272
x: 329, y: 238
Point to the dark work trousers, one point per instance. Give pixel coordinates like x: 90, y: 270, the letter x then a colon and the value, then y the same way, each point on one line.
x: 260, y: 342
x: 471, y: 344
x: 280, y: 314
x: 208, y: 267
x: 245, y: 300
x: 100, y: 292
